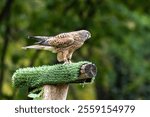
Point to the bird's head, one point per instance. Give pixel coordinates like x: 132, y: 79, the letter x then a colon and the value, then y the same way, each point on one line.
x: 84, y: 34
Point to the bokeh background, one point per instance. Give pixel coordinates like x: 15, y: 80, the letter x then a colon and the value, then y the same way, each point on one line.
x: 120, y: 43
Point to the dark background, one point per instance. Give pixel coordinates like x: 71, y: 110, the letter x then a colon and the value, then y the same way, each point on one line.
x: 120, y: 43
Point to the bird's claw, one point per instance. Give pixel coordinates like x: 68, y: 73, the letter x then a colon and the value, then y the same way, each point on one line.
x: 67, y: 62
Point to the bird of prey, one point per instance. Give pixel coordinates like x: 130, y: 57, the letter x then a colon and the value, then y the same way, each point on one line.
x: 64, y: 44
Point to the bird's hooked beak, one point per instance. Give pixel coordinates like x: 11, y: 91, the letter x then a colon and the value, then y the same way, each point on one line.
x: 89, y: 35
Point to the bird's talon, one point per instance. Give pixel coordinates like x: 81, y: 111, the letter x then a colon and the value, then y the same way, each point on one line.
x: 70, y: 61
x: 66, y: 62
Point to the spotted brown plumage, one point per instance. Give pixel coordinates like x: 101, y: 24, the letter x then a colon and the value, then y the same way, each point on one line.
x: 63, y: 44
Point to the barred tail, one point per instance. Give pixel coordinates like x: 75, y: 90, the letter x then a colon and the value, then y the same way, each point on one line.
x: 40, y: 47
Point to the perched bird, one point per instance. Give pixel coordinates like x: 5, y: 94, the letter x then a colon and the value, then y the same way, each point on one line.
x: 63, y: 44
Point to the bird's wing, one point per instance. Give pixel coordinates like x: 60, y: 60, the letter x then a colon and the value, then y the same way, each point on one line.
x: 61, y: 40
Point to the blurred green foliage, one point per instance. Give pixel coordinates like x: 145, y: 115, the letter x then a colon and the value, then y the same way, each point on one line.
x: 120, y: 43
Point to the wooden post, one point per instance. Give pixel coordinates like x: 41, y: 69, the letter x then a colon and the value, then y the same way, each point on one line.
x: 55, y: 92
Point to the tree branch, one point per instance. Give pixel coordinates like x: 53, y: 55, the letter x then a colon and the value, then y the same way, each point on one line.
x: 6, y: 10
x: 5, y: 14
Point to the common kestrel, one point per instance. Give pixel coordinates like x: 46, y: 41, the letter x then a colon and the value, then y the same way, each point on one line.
x: 63, y: 44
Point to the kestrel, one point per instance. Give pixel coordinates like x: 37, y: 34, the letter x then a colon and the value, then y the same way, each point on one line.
x: 63, y: 44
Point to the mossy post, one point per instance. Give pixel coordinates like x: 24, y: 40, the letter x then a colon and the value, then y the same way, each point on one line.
x: 55, y: 79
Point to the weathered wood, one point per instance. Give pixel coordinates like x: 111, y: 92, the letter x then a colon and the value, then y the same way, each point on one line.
x: 87, y: 71
x: 55, y: 92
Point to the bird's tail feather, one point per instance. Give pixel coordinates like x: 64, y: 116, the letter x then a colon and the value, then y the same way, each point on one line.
x: 40, y: 47
x: 39, y: 38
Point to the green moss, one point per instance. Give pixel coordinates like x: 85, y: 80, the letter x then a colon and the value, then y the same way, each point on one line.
x: 38, y: 76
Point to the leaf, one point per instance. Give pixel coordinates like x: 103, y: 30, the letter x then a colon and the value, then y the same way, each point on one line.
x: 32, y: 95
